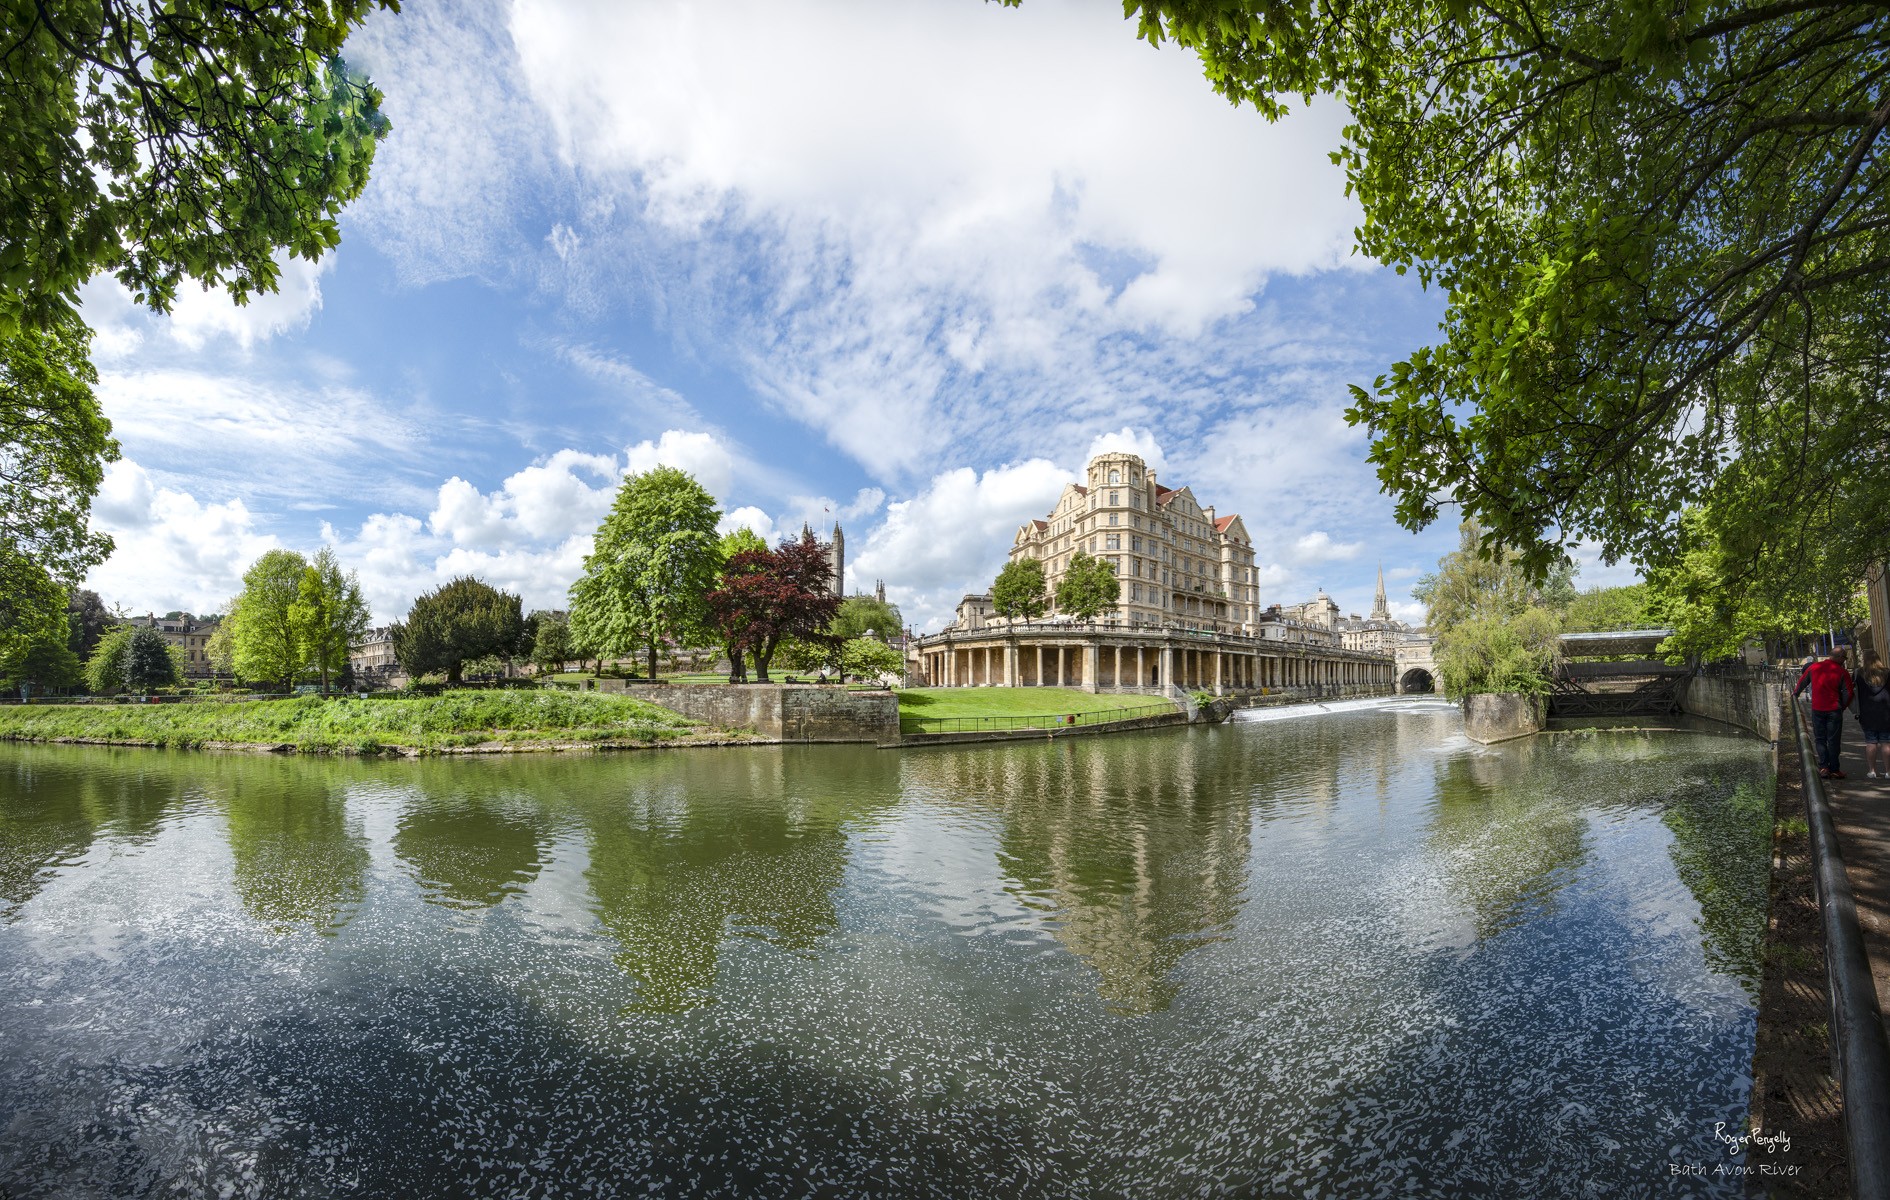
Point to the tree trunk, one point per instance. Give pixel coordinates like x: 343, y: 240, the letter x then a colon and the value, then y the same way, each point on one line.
x: 737, y: 663
x: 652, y: 659
x: 764, y: 654
x: 452, y: 673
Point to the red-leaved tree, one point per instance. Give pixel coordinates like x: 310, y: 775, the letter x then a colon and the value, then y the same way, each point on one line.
x: 768, y: 595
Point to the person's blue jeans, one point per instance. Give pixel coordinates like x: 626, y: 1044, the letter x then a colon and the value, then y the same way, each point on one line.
x: 1827, y: 732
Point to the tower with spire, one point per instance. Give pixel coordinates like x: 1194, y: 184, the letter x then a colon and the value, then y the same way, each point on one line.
x: 1381, y: 608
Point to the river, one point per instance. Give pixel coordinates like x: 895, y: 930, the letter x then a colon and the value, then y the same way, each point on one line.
x: 1330, y: 953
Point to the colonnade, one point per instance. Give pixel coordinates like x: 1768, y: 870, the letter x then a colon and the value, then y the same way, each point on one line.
x: 1132, y: 664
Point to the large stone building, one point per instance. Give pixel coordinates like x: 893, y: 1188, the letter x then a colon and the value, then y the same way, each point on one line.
x: 373, y: 659
x: 191, y: 635
x: 1180, y: 564
x: 1378, y: 633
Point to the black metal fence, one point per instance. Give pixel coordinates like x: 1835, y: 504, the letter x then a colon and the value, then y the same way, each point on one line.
x: 1048, y: 722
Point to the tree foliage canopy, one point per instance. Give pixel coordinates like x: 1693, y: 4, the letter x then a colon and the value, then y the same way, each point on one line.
x: 771, y: 596
x: 652, y: 566
x: 1088, y: 586
x: 265, y: 638
x: 147, y: 663
x: 1477, y: 581
x: 858, y: 614
x: 1661, y: 233
x: 54, y: 444
x: 171, y: 140
x: 457, y: 622
x: 329, y: 615
x: 1019, y: 590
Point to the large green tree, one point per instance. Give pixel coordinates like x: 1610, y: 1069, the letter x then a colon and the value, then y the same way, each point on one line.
x: 1088, y: 586
x: 44, y: 662
x: 1019, y: 590
x: 1659, y: 231
x: 148, y: 663
x: 173, y: 140
x: 1478, y: 580
x: 457, y: 622
x: 266, y: 638
x: 329, y: 615
x: 54, y: 443
x: 861, y: 615
x: 654, y: 561
x: 551, y: 641
x: 87, y: 619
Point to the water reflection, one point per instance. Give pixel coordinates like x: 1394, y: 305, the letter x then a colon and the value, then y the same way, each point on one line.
x: 52, y: 808
x: 1136, y: 848
x: 471, y: 847
x: 694, y: 850
x: 299, y: 862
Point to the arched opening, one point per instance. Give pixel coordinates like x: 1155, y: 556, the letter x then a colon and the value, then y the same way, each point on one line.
x: 1416, y: 681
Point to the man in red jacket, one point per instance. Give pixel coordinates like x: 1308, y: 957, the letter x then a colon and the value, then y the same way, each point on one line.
x: 1830, y: 687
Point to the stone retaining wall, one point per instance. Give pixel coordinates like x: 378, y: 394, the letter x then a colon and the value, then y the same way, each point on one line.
x: 1500, y: 716
x: 1159, y: 721
x: 785, y: 712
x: 1749, y: 702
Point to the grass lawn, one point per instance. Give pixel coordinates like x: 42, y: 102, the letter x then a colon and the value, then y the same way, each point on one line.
x: 931, y: 703
x: 309, y: 723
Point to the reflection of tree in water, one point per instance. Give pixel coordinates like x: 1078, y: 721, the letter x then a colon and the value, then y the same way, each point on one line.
x: 1138, y: 846
x: 1508, y: 831
x: 1722, y: 836
x: 471, y: 846
x: 299, y: 861
x: 699, y: 847
x: 56, y: 802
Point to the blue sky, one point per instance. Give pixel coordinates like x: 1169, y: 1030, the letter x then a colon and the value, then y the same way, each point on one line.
x: 905, y: 267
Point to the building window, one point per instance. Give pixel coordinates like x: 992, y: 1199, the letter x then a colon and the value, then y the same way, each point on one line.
x: 1115, y: 498
x: 1115, y: 518
x: 1135, y: 591
x: 1114, y: 477
x: 1113, y: 542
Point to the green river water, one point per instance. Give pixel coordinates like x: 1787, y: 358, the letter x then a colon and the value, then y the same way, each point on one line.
x: 1343, y: 953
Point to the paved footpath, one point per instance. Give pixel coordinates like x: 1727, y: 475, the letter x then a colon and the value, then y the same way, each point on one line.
x: 1860, y: 808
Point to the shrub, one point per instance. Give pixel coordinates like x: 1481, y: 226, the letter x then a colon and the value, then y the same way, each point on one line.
x: 1498, y: 654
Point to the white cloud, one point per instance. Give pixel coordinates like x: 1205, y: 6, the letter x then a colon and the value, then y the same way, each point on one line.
x: 1139, y: 442
x: 954, y: 535
x: 1318, y: 547
x: 200, y: 313
x: 173, y: 551
x: 550, y: 500
x: 750, y: 517
x: 701, y: 454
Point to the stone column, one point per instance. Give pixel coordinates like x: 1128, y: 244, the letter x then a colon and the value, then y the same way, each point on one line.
x: 1219, y: 687
x: 1092, y: 667
x: 1166, y: 666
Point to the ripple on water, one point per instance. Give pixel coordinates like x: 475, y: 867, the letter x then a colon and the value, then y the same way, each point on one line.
x: 1333, y: 957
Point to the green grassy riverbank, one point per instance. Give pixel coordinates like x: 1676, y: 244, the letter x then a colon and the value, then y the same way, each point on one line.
x: 452, y: 721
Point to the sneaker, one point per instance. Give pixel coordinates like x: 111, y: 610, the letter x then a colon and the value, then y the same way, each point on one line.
x: 1824, y: 772
x: 1871, y: 775
x: 1839, y: 775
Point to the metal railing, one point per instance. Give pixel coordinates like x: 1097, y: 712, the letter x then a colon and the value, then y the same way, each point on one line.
x: 1857, y: 1033
x: 1045, y: 722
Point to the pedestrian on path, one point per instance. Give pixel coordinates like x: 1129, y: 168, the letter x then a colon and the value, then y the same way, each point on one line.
x: 1873, y: 714
x: 1831, y: 694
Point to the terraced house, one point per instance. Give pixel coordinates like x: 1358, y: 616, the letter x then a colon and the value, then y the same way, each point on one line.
x: 1180, y: 564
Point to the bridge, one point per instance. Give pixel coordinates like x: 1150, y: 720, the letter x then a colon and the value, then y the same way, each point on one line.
x: 1615, y: 674
x: 1416, y: 667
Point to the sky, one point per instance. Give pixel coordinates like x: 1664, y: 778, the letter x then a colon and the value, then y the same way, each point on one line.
x: 904, y: 267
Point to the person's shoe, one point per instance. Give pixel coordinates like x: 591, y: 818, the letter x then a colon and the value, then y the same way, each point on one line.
x: 1824, y: 772
x: 1871, y: 775
x: 1839, y: 775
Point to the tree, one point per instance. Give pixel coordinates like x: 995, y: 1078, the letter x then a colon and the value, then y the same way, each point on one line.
x: 105, y: 670
x: 1605, y: 609
x: 736, y: 541
x: 266, y: 638
x: 1480, y: 580
x: 87, y: 619
x: 54, y: 444
x: 1088, y: 586
x: 1657, y: 229
x: 329, y: 615
x: 170, y: 141
x: 44, y: 663
x: 221, y: 648
x: 551, y: 642
x: 1019, y: 590
x: 768, y: 596
x: 1715, y: 606
x: 1489, y: 653
x: 860, y: 615
x: 458, y: 621
x: 147, y: 661
x: 652, y: 567
x: 869, y: 658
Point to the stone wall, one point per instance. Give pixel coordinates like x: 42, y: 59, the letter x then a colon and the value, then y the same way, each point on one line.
x: 1500, y: 716
x: 773, y: 710
x: 1749, y: 701
x: 1158, y: 721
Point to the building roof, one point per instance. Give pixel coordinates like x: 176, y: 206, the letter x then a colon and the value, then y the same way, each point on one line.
x: 1221, y: 523
x: 1040, y: 524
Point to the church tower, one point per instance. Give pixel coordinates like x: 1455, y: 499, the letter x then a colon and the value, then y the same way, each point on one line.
x: 1381, y: 608
x: 837, y: 559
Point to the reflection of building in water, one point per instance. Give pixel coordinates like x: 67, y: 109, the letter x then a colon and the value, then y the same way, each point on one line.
x: 299, y: 862
x: 698, y: 851
x: 1138, y: 848
x: 468, y: 850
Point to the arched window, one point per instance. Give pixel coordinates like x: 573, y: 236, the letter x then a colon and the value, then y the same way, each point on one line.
x: 1115, y: 477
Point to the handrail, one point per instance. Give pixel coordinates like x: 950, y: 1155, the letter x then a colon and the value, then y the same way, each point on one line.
x: 1857, y: 1033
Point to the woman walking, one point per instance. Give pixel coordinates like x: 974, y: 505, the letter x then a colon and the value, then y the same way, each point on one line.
x: 1873, y: 715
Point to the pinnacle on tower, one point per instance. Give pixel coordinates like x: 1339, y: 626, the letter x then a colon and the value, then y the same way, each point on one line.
x: 1381, y: 608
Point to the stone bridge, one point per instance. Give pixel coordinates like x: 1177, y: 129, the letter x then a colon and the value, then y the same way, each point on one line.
x: 1417, y: 669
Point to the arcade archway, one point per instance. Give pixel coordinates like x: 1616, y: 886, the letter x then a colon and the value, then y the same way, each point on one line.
x: 1416, y: 681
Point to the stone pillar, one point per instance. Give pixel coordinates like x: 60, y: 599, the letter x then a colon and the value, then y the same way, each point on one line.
x: 1166, y: 667
x: 1010, y: 664
x: 1092, y: 667
x: 1219, y: 687
x: 1060, y: 675
x: 1141, y: 671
